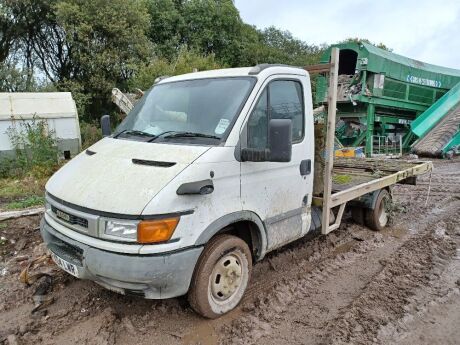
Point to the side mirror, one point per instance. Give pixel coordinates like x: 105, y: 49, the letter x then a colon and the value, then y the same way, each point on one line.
x: 279, y: 146
x: 105, y: 125
x: 280, y: 140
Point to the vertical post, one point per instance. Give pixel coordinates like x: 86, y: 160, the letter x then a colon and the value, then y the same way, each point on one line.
x: 370, y: 128
x: 330, y: 134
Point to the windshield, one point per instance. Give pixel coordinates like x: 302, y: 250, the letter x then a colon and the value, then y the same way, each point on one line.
x: 200, y: 109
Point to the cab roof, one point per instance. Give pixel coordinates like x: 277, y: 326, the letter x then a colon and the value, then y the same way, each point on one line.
x: 262, y: 70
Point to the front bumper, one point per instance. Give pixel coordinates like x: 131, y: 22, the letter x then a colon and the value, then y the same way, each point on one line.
x: 165, y: 275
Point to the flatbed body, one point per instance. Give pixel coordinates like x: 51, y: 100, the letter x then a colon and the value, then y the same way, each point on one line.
x: 353, y: 177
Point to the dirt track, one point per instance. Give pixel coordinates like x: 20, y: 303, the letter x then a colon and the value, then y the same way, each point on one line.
x: 353, y: 286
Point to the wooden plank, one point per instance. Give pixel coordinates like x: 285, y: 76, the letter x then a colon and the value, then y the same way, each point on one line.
x: 320, y: 68
x: 330, y: 132
x: 21, y: 213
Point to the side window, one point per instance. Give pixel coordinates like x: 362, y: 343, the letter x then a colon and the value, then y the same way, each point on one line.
x: 286, y: 103
x: 282, y: 99
x: 258, y: 124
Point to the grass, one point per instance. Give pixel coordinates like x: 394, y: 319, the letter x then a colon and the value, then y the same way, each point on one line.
x: 341, y: 179
x: 11, y: 188
x: 20, y: 193
x: 25, y: 203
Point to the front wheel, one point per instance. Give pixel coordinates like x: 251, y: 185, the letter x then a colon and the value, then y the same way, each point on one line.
x: 378, y: 218
x: 221, y: 276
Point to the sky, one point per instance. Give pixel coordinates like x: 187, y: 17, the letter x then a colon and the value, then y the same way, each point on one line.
x: 425, y: 30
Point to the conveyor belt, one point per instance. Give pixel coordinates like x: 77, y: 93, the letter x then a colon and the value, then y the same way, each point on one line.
x: 433, y: 143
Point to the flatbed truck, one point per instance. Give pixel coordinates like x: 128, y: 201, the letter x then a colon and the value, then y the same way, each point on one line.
x: 208, y: 173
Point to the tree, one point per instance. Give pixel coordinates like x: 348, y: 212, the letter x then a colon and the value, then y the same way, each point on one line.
x: 166, y: 27
x: 84, y: 46
x: 90, y: 46
x: 19, y: 22
x: 93, y: 46
x: 213, y: 27
x: 13, y: 79
x: 8, y: 32
x: 185, y: 62
x: 204, y: 26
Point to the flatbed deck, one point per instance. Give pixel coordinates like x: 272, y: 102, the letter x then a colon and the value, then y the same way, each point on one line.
x: 351, y: 172
x: 354, y: 177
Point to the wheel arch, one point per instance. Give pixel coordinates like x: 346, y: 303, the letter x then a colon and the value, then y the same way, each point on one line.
x: 244, y: 224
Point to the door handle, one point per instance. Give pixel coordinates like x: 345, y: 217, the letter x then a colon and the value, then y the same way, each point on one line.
x: 305, y: 167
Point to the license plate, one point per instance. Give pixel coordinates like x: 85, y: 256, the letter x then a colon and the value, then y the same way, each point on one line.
x: 65, y: 265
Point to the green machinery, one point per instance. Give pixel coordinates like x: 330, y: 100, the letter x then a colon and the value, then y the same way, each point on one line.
x: 438, y: 128
x: 381, y: 93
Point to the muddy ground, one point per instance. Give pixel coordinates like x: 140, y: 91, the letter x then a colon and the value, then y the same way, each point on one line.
x: 354, y: 286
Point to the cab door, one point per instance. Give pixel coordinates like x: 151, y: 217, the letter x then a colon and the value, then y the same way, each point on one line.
x: 279, y: 193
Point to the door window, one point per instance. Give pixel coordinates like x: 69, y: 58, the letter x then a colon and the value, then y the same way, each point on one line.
x: 258, y: 124
x: 282, y: 99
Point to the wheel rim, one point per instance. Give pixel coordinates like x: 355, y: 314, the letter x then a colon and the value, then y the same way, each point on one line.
x: 383, y: 215
x: 226, y: 277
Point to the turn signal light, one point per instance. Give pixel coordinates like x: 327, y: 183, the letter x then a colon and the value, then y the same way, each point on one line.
x: 158, y: 230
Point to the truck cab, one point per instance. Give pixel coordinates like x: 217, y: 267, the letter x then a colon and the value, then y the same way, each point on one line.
x: 209, y: 172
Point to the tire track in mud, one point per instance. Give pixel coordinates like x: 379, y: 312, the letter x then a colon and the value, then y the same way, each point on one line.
x: 441, y: 296
x: 418, y: 263
x: 296, y: 284
x: 357, y: 321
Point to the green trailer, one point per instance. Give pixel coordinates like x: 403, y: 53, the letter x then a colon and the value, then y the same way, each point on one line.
x: 381, y: 93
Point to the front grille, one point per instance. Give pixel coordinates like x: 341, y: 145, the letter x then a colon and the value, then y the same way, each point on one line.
x: 66, y: 251
x: 69, y: 218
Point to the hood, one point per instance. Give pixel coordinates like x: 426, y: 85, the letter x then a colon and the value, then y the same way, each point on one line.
x: 105, y: 178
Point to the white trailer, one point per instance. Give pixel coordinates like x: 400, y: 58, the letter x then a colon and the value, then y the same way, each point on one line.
x: 56, y: 108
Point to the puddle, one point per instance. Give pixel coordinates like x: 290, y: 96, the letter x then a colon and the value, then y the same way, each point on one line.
x: 395, y: 232
x: 344, y: 248
x: 203, y: 334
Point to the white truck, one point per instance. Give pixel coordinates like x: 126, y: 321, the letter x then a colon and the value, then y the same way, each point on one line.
x: 208, y: 173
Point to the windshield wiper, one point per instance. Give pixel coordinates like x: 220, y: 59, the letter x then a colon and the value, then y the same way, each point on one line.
x: 191, y: 135
x: 173, y: 134
x: 135, y: 132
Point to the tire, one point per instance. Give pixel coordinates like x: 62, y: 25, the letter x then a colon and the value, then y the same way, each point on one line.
x: 221, y: 276
x: 357, y: 214
x: 378, y: 218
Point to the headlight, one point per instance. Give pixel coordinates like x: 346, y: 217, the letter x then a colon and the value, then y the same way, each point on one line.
x: 145, y: 231
x: 121, y: 228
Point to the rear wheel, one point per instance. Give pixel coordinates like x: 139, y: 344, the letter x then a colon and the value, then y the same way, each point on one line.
x: 221, y: 276
x: 357, y: 214
x: 378, y: 218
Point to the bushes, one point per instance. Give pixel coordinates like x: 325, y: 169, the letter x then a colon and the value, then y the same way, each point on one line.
x: 186, y: 62
x: 35, y: 149
x: 90, y: 133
